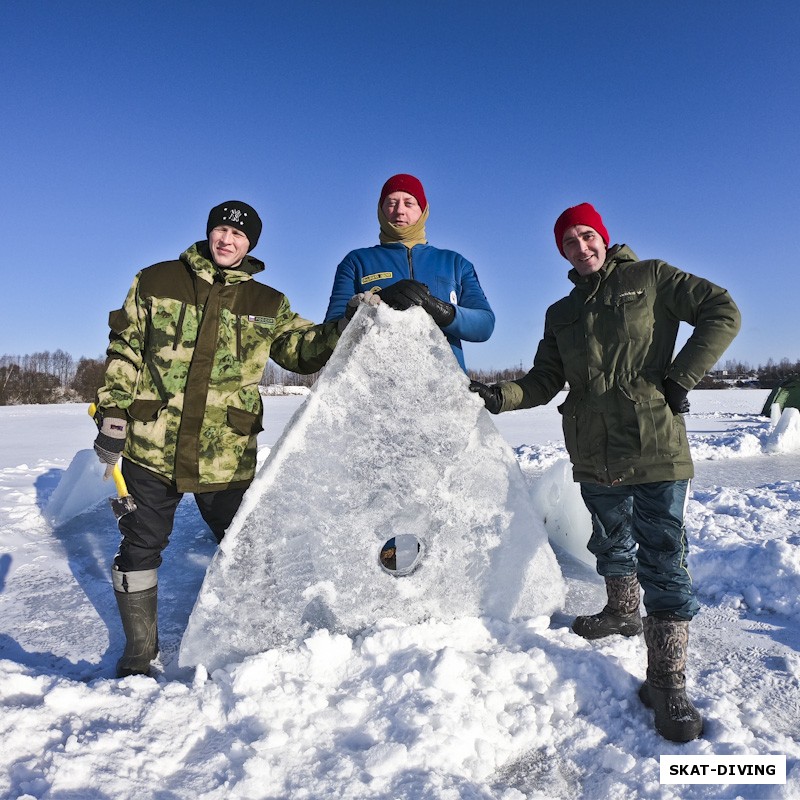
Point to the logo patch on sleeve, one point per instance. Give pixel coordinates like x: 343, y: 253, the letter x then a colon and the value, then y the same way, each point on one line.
x: 261, y: 320
x: 377, y: 276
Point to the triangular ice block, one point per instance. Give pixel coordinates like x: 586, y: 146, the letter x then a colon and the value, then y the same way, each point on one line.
x: 390, y: 494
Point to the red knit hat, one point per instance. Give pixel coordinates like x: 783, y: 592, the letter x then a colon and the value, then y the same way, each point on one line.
x: 404, y: 183
x: 583, y: 214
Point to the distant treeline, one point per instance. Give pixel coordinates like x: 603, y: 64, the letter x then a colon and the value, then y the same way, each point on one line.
x: 738, y: 374
x: 57, y: 378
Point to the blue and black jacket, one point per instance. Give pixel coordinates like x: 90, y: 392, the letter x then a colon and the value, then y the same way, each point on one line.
x: 447, y: 274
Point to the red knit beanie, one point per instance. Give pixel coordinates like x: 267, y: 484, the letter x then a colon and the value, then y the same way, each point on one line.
x: 583, y: 214
x: 404, y: 183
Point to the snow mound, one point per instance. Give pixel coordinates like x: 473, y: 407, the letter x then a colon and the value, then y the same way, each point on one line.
x: 785, y: 436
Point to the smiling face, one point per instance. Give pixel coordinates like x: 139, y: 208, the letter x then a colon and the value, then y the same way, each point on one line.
x: 584, y: 248
x: 228, y: 245
x: 401, y: 208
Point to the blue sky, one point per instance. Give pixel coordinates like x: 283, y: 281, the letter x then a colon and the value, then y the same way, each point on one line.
x: 124, y: 123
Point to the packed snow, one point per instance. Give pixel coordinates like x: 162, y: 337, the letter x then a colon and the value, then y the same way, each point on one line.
x: 472, y: 708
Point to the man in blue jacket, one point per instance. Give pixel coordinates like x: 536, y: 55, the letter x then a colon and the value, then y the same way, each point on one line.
x: 407, y: 271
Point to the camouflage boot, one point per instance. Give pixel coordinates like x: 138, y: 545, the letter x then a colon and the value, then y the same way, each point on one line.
x: 665, y: 688
x: 621, y: 614
x: 139, y: 613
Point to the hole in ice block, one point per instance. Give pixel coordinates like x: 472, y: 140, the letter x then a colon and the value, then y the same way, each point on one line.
x: 401, y: 554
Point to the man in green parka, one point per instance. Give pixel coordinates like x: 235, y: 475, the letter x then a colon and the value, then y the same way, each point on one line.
x: 180, y: 400
x: 612, y: 341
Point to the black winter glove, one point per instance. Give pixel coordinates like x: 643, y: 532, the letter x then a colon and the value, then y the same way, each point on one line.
x: 676, y: 396
x: 442, y: 313
x: 404, y: 294
x: 491, y: 395
x: 407, y: 292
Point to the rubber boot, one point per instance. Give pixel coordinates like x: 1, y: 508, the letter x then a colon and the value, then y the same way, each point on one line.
x: 139, y: 613
x: 620, y: 615
x: 665, y: 688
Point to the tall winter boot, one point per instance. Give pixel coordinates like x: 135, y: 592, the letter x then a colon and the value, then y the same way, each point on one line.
x: 620, y: 615
x: 664, y: 690
x: 137, y: 598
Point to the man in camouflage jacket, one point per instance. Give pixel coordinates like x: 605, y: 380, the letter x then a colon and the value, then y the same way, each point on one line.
x: 180, y: 399
x: 612, y: 340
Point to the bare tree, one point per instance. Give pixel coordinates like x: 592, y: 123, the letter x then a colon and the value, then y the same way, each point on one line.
x: 88, y: 378
x: 63, y: 367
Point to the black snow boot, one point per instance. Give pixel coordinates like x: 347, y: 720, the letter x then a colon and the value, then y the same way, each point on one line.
x: 620, y: 615
x: 139, y: 613
x: 665, y: 688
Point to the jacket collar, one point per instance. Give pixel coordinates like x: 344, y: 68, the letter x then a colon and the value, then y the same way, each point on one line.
x: 198, y: 258
x: 617, y: 254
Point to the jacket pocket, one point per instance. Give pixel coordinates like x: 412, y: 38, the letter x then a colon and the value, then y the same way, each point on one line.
x: 146, y: 410
x: 660, y: 429
x: 632, y: 315
x: 244, y: 422
x: 253, y: 338
x: 568, y: 330
x: 661, y: 433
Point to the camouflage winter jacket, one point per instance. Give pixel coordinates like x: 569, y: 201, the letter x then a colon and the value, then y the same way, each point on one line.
x: 186, y: 353
x: 612, y: 340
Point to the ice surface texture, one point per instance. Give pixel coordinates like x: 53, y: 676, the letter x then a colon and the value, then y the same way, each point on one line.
x: 389, y: 442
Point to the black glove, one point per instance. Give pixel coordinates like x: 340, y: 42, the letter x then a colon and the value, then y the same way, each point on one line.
x: 491, y: 395
x: 442, y: 313
x: 676, y: 396
x: 404, y: 294
x: 407, y: 292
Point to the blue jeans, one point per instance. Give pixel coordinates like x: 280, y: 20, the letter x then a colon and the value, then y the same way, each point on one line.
x: 639, y: 530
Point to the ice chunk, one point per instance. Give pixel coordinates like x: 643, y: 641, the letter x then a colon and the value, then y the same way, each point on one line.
x: 566, y: 518
x: 389, y: 444
x: 81, y: 487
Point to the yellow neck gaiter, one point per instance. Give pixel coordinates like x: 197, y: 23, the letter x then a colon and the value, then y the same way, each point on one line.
x: 409, y: 235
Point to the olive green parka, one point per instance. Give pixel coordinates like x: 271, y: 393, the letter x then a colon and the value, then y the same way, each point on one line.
x: 612, y: 341
x: 185, y: 356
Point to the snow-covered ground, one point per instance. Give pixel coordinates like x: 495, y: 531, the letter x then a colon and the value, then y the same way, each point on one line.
x: 467, y: 709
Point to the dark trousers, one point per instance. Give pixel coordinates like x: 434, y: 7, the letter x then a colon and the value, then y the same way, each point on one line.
x: 639, y: 530
x: 146, y: 531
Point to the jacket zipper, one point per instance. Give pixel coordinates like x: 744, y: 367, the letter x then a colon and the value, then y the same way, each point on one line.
x: 410, y: 263
x: 238, y: 337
